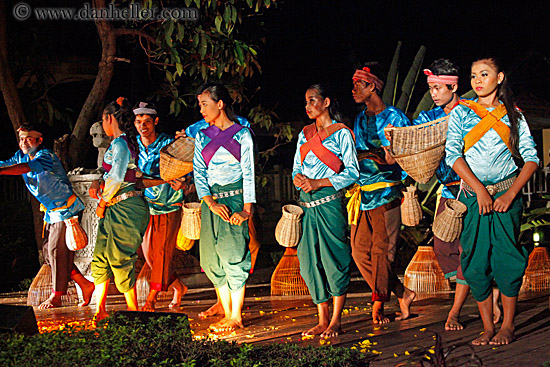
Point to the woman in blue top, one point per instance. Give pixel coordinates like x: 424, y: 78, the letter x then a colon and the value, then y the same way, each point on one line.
x: 223, y: 166
x: 324, y: 164
x: 485, y: 140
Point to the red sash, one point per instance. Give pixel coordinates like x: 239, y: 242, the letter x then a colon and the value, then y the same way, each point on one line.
x: 314, y: 143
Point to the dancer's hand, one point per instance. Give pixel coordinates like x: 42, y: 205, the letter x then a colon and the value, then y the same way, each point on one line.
x: 484, y: 201
x: 220, y: 210
x: 181, y: 134
x: 100, y: 211
x: 310, y: 184
x: 94, y: 189
x: 239, y: 217
x: 387, y: 133
x: 298, y: 179
x: 503, y: 202
x: 388, y: 157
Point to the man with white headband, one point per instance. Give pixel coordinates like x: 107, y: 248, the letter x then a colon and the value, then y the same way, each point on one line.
x: 165, y: 202
x: 47, y: 180
x: 374, y: 208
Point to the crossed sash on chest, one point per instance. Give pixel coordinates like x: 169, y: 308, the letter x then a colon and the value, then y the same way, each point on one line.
x: 221, y: 138
x: 314, y: 144
x: 130, y: 175
x: 489, y: 120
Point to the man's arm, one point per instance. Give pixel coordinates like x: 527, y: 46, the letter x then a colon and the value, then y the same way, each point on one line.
x: 16, y: 169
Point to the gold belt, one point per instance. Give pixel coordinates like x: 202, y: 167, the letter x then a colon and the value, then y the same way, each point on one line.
x: 126, y: 195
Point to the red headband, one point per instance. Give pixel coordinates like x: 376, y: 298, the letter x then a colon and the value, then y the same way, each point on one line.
x: 445, y: 79
x: 365, y: 75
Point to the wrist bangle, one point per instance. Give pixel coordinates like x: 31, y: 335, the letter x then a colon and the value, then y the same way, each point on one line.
x: 247, y: 212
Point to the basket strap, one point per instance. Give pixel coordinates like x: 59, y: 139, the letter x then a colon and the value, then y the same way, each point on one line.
x: 314, y: 144
x: 221, y: 138
x: 489, y: 120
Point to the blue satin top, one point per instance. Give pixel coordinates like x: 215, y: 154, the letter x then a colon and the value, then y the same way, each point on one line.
x: 342, y: 145
x: 119, y: 157
x: 162, y: 199
x: 369, y: 135
x: 48, y: 182
x: 489, y: 159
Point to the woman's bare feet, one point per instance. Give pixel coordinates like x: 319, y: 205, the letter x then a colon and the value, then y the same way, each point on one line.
x: 452, y: 323
x: 226, y: 325
x: 378, y: 313
x: 179, y: 291
x: 504, y: 336
x: 316, y: 330
x: 405, y: 304
x: 87, y: 293
x: 100, y: 315
x: 214, y: 310
x: 331, y: 332
x: 485, y: 338
x: 52, y: 302
x: 149, y: 306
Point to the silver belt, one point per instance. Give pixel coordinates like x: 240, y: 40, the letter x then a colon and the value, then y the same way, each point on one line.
x: 227, y: 194
x: 126, y: 195
x: 495, y: 188
x: 320, y: 201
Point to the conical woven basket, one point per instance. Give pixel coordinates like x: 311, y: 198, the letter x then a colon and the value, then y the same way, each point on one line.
x: 424, y: 275
x: 419, y: 149
x: 411, y: 211
x: 142, y: 286
x: 191, y: 221
x: 183, y: 243
x: 41, y: 289
x: 176, y: 159
x: 537, y: 274
x: 447, y: 225
x: 286, y: 279
x: 75, y: 236
x: 289, y: 228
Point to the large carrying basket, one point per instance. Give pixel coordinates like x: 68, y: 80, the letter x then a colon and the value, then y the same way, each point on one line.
x: 419, y: 149
x: 176, y: 159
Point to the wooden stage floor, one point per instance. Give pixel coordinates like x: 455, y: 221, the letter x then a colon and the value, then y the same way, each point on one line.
x: 282, y: 319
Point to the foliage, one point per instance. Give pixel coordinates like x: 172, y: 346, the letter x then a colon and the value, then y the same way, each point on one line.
x: 162, y: 341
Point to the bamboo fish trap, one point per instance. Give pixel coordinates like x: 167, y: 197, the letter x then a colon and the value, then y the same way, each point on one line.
x: 419, y: 149
x: 537, y: 274
x: 286, y: 279
x: 41, y: 289
x: 411, y: 211
x: 191, y: 221
x: 176, y: 159
x: 424, y: 275
x: 143, y: 288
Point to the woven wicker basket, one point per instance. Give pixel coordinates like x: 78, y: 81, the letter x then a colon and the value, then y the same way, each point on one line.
x: 423, y: 274
x: 41, y: 289
x: 75, y: 236
x: 537, y: 274
x: 289, y: 228
x: 419, y: 149
x: 286, y: 279
x: 183, y: 243
x: 143, y: 287
x: 191, y: 221
x: 447, y: 225
x: 176, y: 159
x: 411, y: 211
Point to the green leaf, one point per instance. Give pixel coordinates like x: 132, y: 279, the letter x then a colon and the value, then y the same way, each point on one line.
x: 195, y: 40
x: 168, y: 32
x: 218, y: 22
x: 179, y: 68
x: 249, y: 3
x: 239, y: 54
x: 233, y: 14
x: 204, y: 46
x: 181, y: 32
x: 227, y: 16
x: 198, y: 3
x: 391, y: 81
x: 169, y: 76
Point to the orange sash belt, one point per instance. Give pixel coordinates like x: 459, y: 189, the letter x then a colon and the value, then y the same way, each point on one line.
x: 489, y: 120
x: 314, y: 143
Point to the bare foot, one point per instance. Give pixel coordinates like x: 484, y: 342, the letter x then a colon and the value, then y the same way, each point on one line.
x: 378, y: 313
x: 179, y: 291
x: 452, y: 323
x: 216, y: 309
x: 229, y: 325
x: 316, y: 330
x: 149, y: 306
x: 484, y: 339
x: 87, y: 293
x: 52, y: 302
x: 504, y: 336
x: 405, y: 304
x: 331, y: 332
x: 100, y: 315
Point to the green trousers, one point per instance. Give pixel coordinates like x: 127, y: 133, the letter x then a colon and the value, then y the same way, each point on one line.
x: 224, y: 253
x: 323, y: 251
x: 119, y: 235
x: 490, y: 249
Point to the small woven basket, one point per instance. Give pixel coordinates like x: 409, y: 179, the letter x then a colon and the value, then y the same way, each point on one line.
x: 419, y: 149
x: 286, y: 279
x: 411, y: 211
x: 423, y: 274
x: 191, y: 221
x: 176, y: 159
x: 537, y: 274
x: 289, y: 228
x: 447, y: 225
x: 183, y: 243
x: 75, y: 236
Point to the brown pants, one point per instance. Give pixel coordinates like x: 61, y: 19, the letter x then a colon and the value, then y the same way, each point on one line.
x: 58, y: 256
x: 159, y: 243
x: 448, y: 253
x: 373, y: 245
